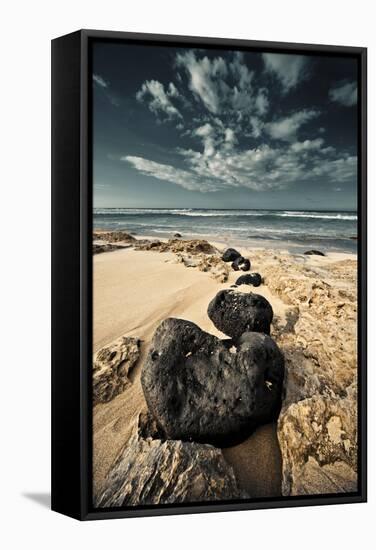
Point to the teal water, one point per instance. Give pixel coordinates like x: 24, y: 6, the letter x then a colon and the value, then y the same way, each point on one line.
x: 331, y: 231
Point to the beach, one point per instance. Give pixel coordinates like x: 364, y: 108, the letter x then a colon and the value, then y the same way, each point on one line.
x: 314, y: 303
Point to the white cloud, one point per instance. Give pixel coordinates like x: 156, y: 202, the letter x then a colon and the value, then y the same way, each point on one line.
x: 233, y: 104
x: 100, y: 81
x: 257, y: 126
x: 172, y: 90
x: 287, y: 128
x: 204, y: 77
x: 259, y: 168
x: 165, y: 172
x: 307, y: 145
x: 208, y: 135
x: 337, y: 169
x: 223, y: 87
x: 262, y: 101
x: 345, y: 93
x: 242, y: 74
x: 158, y: 99
x: 288, y: 68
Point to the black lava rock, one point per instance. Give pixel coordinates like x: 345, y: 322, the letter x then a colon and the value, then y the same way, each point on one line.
x: 200, y: 388
x: 314, y: 253
x: 253, y: 279
x: 246, y: 266
x: 235, y: 312
x: 230, y: 255
x: 241, y: 263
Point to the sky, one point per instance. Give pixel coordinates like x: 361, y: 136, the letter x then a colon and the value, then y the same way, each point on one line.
x: 219, y: 128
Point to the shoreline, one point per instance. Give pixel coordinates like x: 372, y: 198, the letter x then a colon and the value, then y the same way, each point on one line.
x: 283, y: 244
x: 249, y: 245
x: 134, y: 290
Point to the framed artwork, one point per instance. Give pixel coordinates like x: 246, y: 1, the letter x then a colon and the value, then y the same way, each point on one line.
x: 208, y: 274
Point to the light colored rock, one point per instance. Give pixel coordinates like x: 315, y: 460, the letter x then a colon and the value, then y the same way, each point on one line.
x: 152, y: 471
x: 316, y: 435
x: 111, y: 367
x: 191, y: 246
x: 317, y: 427
x: 209, y: 263
x: 327, y: 479
x: 113, y: 236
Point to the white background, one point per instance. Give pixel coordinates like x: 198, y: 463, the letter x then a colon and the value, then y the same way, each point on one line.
x: 27, y: 28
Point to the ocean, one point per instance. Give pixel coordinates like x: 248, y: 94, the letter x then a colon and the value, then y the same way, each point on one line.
x: 291, y: 229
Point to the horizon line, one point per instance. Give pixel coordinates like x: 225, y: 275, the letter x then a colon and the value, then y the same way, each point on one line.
x: 225, y: 209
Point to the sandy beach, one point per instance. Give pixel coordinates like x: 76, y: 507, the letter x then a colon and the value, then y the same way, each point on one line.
x: 134, y: 290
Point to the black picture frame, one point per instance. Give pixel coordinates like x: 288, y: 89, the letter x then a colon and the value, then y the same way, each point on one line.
x: 72, y: 274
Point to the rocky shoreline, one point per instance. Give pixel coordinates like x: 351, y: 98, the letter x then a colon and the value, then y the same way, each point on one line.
x: 191, y: 409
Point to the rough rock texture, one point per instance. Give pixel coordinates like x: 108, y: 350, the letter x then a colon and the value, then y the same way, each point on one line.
x: 253, y: 279
x: 204, y: 389
x: 317, y: 426
x: 113, y: 236
x: 319, y: 445
x: 209, y: 263
x: 111, y: 367
x: 194, y: 246
x: 107, y: 247
x: 230, y: 255
x: 234, y: 313
x: 241, y: 263
x: 152, y: 471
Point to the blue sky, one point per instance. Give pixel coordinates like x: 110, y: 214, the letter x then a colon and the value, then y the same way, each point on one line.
x: 213, y: 128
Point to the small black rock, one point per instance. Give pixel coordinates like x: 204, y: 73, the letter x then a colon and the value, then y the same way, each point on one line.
x: 230, y: 255
x: 241, y: 263
x: 246, y: 265
x: 177, y: 235
x: 236, y: 312
x: 236, y: 263
x: 314, y: 253
x: 253, y: 279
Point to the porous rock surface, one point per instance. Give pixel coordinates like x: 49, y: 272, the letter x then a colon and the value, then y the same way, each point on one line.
x: 317, y: 426
x: 111, y: 366
x: 208, y: 263
x: 152, y: 471
x: 201, y: 388
x: 253, y: 279
x: 113, y: 236
x: 241, y: 263
x: 192, y: 246
x: 234, y: 313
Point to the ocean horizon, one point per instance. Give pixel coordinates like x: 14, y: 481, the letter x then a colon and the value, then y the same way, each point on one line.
x: 332, y: 230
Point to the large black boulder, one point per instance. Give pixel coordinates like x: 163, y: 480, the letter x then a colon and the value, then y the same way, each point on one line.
x: 200, y: 388
x: 230, y: 255
x: 241, y: 263
x: 253, y: 279
x: 235, y: 312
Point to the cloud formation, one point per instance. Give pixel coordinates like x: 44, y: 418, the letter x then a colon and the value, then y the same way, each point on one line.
x: 345, y: 93
x: 224, y: 111
x: 288, y: 68
x: 286, y: 128
x: 158, y: 99
x: 100, y: 81
x: 259, y: 169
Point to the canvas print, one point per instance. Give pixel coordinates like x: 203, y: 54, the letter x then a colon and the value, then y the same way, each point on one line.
x: 224, y: 274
